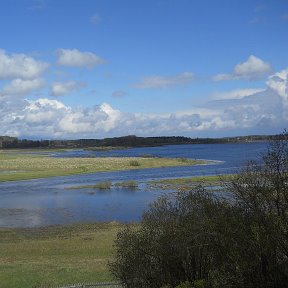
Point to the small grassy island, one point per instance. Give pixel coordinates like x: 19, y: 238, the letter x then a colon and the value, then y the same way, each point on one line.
x: 16, y: 165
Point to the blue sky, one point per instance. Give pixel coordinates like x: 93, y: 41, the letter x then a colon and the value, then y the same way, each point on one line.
x: 98, y: 68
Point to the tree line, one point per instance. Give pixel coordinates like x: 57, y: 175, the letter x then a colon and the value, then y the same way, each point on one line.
x: 7, y: 142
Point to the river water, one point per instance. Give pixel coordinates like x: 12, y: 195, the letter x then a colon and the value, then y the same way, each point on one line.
x: 42, y: 202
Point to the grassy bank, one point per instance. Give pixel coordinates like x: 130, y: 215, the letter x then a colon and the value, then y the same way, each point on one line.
x: 189, y: 182
x: 56, y: 255
x: 16, y: 166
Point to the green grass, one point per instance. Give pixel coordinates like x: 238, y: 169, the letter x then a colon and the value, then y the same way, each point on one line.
x: 190, y: 182
x: 29, y: 166
x: 127, y: 184
x: 107, y: 185
x: 56, y: 255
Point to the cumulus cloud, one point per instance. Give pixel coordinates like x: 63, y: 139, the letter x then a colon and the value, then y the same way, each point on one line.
x: 20, y: 66
x: 279, y: 83
x: 64, y: 88
x: 52, y: 119
x: 76, y: 58
x: 165, y: 81
x: 20, y: 87
x: 265, y: 111
x: 253, y: 68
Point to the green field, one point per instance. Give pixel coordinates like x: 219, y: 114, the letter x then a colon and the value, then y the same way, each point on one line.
x: 56, y: 255
x: 17, y: 166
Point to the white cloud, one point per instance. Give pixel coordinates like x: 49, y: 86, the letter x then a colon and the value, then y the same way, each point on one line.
x: 252, y: 68
x: 43, y: 111
x: 236, y: 94
x: 265, y: 111
x: 64, y: 88
x: 279, y: 83
x: 76, y: 58
x: 165, y: 81
x: 20, y: 66
x: 20, y: 87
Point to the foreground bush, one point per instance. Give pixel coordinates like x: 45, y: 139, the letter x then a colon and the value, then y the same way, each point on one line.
x: 237, y: 241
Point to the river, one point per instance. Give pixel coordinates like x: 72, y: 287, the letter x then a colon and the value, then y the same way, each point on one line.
x: 42, y: 202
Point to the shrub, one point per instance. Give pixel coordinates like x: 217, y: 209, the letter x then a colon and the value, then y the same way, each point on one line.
x: 127, y: 184
x: 134, y: 163
x: 199, y: 283
x: 185, y: 284
x: 105, y: 185
x: 170, y: 238
x: 184, y: 160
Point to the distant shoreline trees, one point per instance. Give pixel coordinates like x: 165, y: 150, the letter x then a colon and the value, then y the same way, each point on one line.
x: 7, y: 142
x: 200, y: 239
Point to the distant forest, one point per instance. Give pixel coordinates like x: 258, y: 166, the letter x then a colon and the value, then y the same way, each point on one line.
x: 7, y: 142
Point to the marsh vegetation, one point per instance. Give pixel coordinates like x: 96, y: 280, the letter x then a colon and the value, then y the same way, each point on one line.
x: 107, y: 185
x: 31, y: 166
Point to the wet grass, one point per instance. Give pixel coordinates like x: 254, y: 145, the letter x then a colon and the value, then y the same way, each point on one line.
x: 107, y: 185
x: 32, y: 166
x: 134, y: 163
x: 127, y: 184
x: 189, y: 182
x: 56, y: 255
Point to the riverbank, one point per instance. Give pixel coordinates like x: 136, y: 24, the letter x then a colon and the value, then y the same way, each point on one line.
x: 56, y: 255
x: 18, y: 166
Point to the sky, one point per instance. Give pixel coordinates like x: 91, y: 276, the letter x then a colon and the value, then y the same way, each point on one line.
x: 73, y: 69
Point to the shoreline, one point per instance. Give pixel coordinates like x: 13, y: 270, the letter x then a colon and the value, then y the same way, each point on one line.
x: 169, y: 185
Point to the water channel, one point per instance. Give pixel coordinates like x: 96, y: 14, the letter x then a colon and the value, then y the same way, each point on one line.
x: 42, y: 202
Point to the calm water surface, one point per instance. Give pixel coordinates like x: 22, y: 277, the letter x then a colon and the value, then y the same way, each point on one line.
x: 47, y: 201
